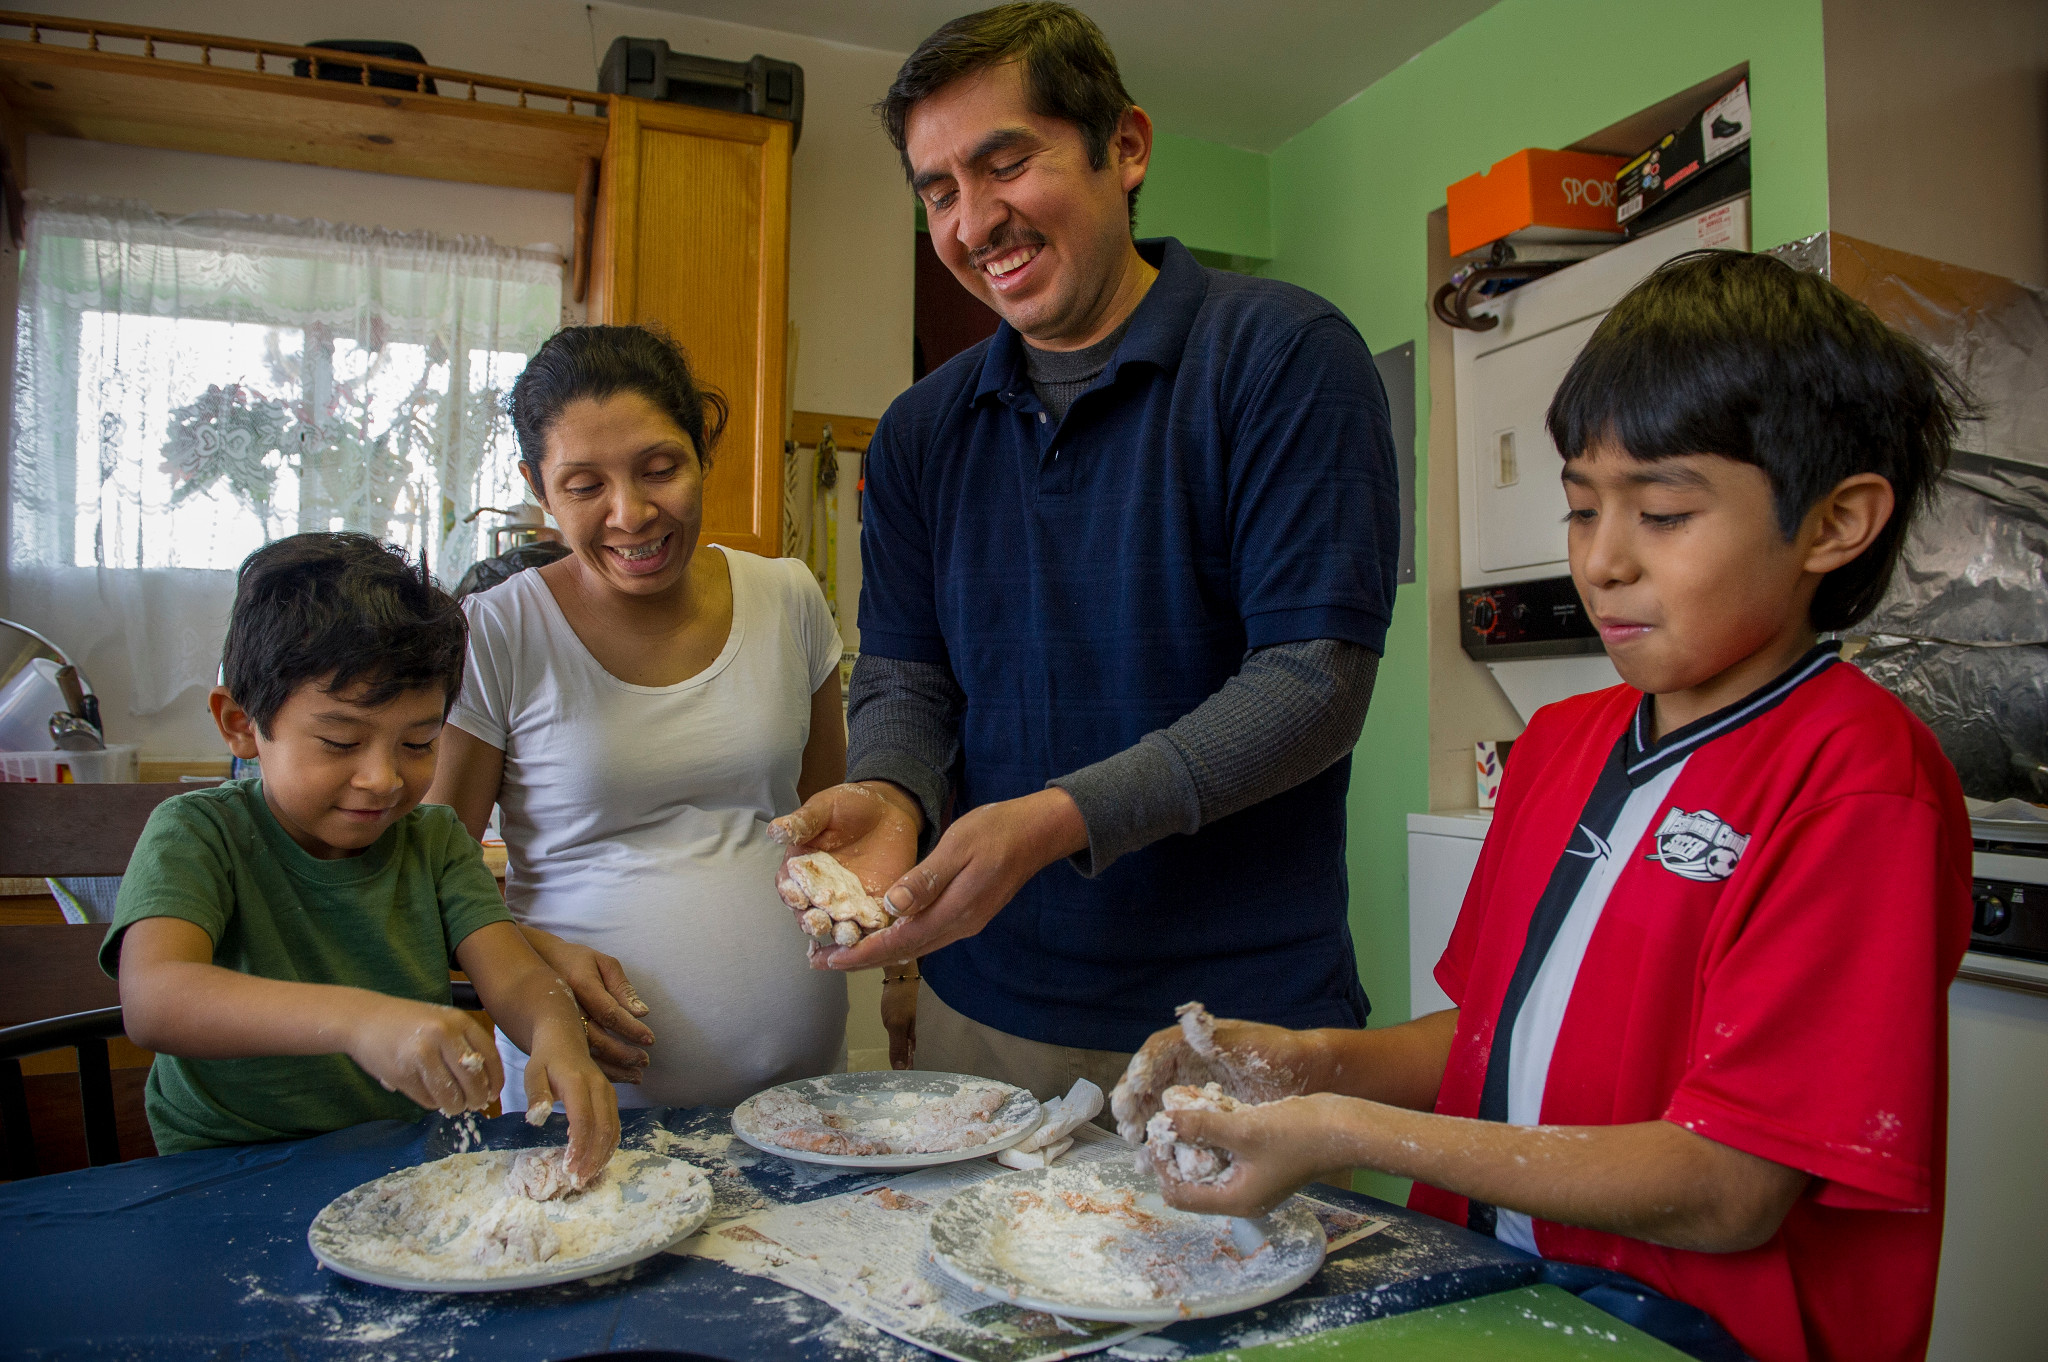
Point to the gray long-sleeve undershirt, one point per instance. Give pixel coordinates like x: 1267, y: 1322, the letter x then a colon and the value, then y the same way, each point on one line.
x: 1289, y: 712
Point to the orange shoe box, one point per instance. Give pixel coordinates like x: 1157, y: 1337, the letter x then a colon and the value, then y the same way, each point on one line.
x: 1566, y: 195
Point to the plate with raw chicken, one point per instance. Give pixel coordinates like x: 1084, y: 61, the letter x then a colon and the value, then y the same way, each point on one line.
x: 887, y: 1119
x: 501, y: 1220
x: 1096, y: 1241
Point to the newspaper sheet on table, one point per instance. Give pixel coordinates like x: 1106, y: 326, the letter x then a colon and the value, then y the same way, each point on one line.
x: 864, y: 1254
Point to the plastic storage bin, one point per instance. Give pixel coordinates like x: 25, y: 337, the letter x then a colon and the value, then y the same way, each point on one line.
x: 119, y: 764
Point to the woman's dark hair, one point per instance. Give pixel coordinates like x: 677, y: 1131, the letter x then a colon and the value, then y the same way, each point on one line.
x: 338, y: 610
x: 599, y: 362
x: 1069, y: 71
x: 1720, y: 352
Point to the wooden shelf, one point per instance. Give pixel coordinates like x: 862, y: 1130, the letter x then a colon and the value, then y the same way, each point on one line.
x: 848, y: 432
x: 481, y: 130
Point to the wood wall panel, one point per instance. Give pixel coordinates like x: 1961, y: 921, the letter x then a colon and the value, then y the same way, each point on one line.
x: 693, y: 235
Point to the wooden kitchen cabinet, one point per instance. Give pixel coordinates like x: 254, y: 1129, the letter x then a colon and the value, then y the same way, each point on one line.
x: 692, y: 234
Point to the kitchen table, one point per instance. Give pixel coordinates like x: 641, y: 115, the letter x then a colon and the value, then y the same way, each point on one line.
x: 203, y: 1255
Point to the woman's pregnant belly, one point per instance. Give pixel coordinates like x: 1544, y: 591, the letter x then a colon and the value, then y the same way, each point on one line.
x: 698, y: 926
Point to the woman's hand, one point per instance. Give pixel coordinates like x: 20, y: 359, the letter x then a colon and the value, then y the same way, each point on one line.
x: 1250, y: 1061
x: 437, y: 1056
x: 606, y: 996
x: 1274, y: 1149
x: 899, y: 1019
x: 561, y: 1069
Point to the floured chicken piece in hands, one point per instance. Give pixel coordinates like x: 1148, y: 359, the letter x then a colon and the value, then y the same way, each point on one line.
x: 541, y: 1175
x: 1194, y: 1058
x: 1189, y: 1163
x: 832, y: 905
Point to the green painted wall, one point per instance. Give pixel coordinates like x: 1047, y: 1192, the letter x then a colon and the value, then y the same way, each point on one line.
x: 1213, y: 197
x: 1349, y: 196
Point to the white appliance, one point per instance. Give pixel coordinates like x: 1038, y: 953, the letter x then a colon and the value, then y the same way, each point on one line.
x: 1443, y: 849
x: 1989, y: 1305
x: 1511, y: 506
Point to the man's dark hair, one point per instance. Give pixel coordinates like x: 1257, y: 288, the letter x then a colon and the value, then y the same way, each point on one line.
x: 1720, y: 352
x: 339, y: 610
x: 602, y: 361
x: 1069, y: 71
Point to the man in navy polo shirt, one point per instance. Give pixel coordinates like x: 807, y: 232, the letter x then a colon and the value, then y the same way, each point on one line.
x: 1128, y: 568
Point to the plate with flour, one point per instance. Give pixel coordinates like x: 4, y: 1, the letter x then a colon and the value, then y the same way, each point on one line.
x: 1097, y: 1242
x: 502, y: 1220
x: 887, y: 1119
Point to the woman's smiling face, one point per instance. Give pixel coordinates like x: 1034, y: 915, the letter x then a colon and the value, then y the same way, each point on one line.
x: 626, y: 486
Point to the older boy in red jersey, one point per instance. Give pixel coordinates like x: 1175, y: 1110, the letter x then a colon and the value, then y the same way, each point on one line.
x: 1702, y: 968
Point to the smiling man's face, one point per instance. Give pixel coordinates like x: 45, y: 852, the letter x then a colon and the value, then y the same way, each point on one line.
x: 1018, y: 213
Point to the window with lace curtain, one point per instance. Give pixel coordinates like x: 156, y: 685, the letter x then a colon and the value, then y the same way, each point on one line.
x: 189, y: 388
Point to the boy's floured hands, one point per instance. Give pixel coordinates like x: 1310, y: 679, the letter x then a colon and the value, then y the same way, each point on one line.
x: 437, y: 1056
x: 1274, y: 1149
x: 561, y: 1070
x: 1250, y: 1061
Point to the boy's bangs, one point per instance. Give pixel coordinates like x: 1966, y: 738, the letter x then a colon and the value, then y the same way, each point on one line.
x: 1656, y: 394
x: 1720, y: 352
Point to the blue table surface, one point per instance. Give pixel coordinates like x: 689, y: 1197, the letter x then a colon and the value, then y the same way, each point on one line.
x: 203, y: 1255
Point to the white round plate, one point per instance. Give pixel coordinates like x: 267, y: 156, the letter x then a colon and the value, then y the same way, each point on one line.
x: 889, y: 1093
x: 676, y: 1195
x: 975, y: 1238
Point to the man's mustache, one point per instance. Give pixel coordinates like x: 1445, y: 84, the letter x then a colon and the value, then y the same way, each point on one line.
x: 1009, y: 241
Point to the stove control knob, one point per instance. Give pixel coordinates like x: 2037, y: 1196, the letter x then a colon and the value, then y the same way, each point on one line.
x: 1992, y: 915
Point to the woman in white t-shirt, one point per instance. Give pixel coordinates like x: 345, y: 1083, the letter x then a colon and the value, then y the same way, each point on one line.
x: 639, y: 711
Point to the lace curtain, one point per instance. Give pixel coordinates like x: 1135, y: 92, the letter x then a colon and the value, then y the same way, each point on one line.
x: 187, y: 389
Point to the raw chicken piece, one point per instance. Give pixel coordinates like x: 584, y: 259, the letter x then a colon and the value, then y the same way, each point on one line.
x: 833, y: 906
x: 540, y: 1175
x: 793, y: 1123
x: 956, y: 1122
x: 514, y: 1230
x: 1189, y: 1163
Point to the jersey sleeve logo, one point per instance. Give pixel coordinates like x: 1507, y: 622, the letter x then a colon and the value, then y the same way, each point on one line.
x: 1698, y: 846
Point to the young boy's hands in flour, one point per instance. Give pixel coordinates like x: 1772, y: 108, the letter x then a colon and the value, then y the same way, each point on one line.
x: 1250, y: 1061
x: 560, y: 1069
x: 537, y: 1009
x: 1274, y: 1150
x: 437, y: 1056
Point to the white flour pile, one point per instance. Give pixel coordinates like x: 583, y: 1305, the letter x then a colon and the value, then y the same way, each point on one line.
x: 472, y: 1217
x: 1090, y: 1240
x: 902, y: 1123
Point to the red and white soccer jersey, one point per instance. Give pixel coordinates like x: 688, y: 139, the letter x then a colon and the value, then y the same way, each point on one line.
x: 1748, y: 929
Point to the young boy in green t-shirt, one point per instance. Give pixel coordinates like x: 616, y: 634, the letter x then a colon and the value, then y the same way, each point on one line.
x: 284, y: 943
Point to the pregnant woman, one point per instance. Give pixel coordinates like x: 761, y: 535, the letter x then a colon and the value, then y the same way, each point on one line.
x: 639, y: 711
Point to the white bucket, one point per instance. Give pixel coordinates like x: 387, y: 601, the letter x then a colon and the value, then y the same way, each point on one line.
x: 119, y: 764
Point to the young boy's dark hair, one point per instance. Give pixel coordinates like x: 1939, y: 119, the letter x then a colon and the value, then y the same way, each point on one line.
x: 1720, y: 352
x: 338, y: 609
